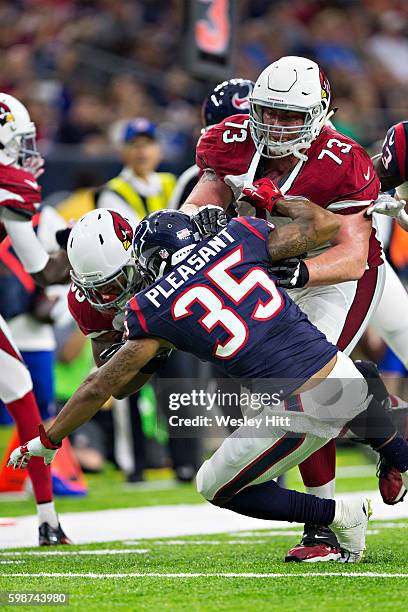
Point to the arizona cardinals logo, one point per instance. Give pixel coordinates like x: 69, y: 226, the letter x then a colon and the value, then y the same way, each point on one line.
x: 5, y: 114
x: 324, y: 84
x: 240, y: 102
x: 123, y: 229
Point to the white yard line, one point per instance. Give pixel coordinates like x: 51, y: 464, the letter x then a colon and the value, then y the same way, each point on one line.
x: 166, y: 522
x: 93, y: 575
x: 66, y: 553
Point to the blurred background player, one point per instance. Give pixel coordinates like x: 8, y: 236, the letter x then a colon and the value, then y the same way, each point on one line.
x: 226, y: 99
x: 20, y: 198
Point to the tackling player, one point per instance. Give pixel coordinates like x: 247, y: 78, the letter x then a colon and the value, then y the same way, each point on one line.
x: 285, y: 139
x: 20, y: 197
x: 218, y: 300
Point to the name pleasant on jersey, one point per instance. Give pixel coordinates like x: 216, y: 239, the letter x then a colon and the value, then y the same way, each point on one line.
x: 158, y: 294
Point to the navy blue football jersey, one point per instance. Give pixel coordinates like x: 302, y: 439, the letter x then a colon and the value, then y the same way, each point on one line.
x: 395, y: 151
x: 222, y: 305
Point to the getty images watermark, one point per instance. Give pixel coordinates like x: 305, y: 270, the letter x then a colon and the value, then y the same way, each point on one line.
x: 194, y: 408
x: 217, y: 407
x: 220, y: 403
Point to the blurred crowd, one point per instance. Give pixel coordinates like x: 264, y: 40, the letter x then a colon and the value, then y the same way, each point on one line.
x: 85, y: 66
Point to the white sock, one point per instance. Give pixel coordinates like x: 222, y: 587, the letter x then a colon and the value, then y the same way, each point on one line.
x: 339, y: 513
x: 325, y: 491
x: 47, y: 514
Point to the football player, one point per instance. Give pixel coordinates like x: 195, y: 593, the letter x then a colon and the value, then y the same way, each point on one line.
x: 226, y: 99
x: 285, y: 139
x: 217, y: 299
x: 20, y: 197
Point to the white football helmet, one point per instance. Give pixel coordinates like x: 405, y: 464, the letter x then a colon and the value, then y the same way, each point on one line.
x: 101, y: 255
x: 17, y: 132
x: 291, y: 84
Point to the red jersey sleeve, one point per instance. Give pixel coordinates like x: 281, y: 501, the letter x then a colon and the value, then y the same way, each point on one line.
x: 19, y: 191
x: 90, y: 321
x: 226, y: 148
x: 338, y: 170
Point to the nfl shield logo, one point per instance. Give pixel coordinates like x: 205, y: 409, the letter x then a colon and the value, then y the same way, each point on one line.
x: 164, y: 254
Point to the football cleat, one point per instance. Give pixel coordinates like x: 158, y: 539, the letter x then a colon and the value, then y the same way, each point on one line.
x: 350, y: 526
x: 52, y: 536
x: 390, y: 482
x: 318, y: 544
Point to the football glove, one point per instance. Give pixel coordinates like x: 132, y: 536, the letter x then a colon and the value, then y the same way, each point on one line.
x: 210, y: 220
x: 386, y: 205
x: 290, y: 273
x: 262, y: 194
x: 62, y: 237
x: 38, y: 447
x: 34, y: 165
x: 156, y: 363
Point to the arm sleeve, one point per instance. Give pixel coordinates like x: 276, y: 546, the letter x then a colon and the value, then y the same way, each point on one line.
x: 28, y: 248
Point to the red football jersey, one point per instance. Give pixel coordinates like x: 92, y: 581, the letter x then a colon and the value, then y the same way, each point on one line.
x: 89, y: 320
x: 19, y: 190
x: 337, y: 169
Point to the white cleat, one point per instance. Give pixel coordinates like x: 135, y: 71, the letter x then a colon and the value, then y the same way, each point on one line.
x: 350, y: 526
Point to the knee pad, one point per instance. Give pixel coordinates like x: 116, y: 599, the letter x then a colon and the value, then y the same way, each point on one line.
x: 205, y: 480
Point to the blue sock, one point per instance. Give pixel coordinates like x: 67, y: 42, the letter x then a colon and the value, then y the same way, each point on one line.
x: 270, y: 502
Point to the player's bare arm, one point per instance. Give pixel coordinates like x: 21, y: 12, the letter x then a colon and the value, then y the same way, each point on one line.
x: 209, y: 190
x: 101, y: 384
x: 388, y: 181
x: 347, y: 258
x: 311, y: 227
x: 55, y: 272
x: 105, y: 342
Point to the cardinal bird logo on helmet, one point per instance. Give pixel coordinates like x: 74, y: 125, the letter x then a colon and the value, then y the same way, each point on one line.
x: 123, y: 229
x: 5, y: 114
x: 324, y: 84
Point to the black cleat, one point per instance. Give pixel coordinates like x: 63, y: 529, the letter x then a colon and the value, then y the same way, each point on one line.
x: 52, y: 536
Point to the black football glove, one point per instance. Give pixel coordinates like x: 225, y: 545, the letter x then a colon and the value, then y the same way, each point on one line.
x: 290, y: 273
x: 62, y: 237
x: 109, y: 352
x: 210, y: 220
x: 156, y: 363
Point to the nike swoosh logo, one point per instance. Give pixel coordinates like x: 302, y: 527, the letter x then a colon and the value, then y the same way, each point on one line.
x: 317, y: 537
x: 32, y: 184
x: 367, y: 176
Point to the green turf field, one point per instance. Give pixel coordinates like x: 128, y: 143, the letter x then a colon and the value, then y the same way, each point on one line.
x: 162, y: 574
x: 236, y: 571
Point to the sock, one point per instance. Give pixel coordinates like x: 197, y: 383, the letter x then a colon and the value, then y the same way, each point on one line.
x: 320, y: 468
x: 396, y: 452
x: 270, y: 502
x: 325, y: 491
x: 47, y: 514
x: 27, y: 418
